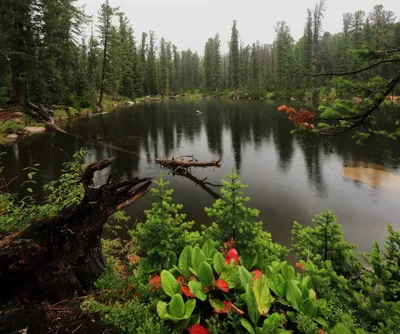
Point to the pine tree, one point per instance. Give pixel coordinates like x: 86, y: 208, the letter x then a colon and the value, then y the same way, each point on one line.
x: 232, y: 219
x: 165, y: 232
x: 151, y: 75
x: 325, y: 242
x: 106, y: 14
x: 255, y: 63
x: 234, y: 58
x: 164, y: 69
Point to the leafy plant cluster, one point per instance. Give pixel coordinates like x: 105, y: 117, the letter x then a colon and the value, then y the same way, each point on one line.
x: 229, y: 279
x: 17, y: 212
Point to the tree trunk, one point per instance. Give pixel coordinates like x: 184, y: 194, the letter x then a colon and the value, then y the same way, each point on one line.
x: 55, y: 257
x: 17, y: 87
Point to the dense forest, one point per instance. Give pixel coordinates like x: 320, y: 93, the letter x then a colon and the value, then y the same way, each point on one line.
x: 44, y: 58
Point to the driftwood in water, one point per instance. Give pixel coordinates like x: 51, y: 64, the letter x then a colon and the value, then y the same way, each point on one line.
x: 180, y: 162
x: 42, y: 115
x: 55, y: 257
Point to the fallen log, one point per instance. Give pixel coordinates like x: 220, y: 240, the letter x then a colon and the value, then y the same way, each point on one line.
x: 59, y: 256
x: 180, y: 162
x: 42, y: 115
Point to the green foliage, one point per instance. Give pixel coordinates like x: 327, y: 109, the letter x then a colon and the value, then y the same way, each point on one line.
x: 325, y: 242
x: 165, y: 231
x: 11, y: 126
x: 60, y: 114
x: 223, y: 286
x: 63, y: 192
x: 232, y: 219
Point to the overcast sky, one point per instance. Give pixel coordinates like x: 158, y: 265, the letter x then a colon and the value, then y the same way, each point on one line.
x: 189, y: 23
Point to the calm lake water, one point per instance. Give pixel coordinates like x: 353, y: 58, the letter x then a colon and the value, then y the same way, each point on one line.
x: 290, y: 177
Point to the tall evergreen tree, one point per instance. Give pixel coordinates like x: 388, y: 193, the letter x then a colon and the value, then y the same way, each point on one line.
x: 106, y: 14
x: 234, y: 58
x: 151, y: 75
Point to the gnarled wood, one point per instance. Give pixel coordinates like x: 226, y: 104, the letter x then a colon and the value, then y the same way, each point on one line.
x: 55, y: 257
x: 180, y: 162
x: 42, y: 115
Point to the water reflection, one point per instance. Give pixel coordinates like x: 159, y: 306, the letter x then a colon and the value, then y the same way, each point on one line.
x: 289, y: 176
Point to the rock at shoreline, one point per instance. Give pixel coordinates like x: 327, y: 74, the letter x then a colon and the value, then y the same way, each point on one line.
x: 12, y: 136
x: 35, y: 129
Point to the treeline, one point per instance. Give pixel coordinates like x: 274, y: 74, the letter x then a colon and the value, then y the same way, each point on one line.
x: 43, y: 56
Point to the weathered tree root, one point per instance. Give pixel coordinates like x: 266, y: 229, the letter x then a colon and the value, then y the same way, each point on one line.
x: 56, y: 257
x: 42, y: 115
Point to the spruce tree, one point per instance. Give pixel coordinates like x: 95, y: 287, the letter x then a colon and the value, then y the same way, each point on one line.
x: 151, y: 75
x: 234, y: 58
x: 105, y: 14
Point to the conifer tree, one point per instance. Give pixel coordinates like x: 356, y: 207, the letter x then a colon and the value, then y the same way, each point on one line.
x: 106, y: 14
x: 165, y: 232
x: 151, y: 75
x: 234, y: 58
x: 232, y: 219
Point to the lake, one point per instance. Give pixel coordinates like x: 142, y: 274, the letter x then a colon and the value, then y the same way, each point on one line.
x: 290, y: 177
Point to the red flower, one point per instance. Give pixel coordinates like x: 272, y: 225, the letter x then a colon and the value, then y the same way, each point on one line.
x: 257, y: 274
x: 155, y: 283
x: 283, y: 108
x: 300, y: 266
x: 320, y: 331
x: 222, y: 285
x: 232, y: 255
x: 227, y: 307
x: 197, y: 329
x: 186, y: 291
x: 179, y: 279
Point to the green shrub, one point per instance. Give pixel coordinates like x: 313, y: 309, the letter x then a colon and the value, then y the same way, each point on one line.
x: 12, y: 126
x: 165, y: 231
x: 232, y: 219
x: 60, y: 114
x: 271, y: 299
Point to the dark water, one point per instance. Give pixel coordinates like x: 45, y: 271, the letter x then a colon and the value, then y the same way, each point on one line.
x: 289, y: 177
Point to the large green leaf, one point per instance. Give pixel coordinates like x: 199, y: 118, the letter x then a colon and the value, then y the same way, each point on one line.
x: 309, y: 308
x: 293, y: 294
x: 217, y: 304
x: 197, y: 289
x: 169, y: 284
x: 230, y: 275
x: 205, y: 274
x: 288, y: 272
x: 197, y: 259
x: 185, y: 259
x: 218, y: 261
x: 177, y: 306
x: 252, y: 307
x: 145, y: 266
x: 209, y: 248
x: 248, y: 260
x: 321, y: 303
x: 273, y: 322
x: 246, y: 324
x: 322, y: 322
x: 245, y: 276
x: 189, y: 308
x: 263, y: 295
x: 162, y: 309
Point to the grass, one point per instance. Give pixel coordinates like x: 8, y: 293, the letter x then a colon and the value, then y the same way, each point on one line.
x: 11, y: 126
